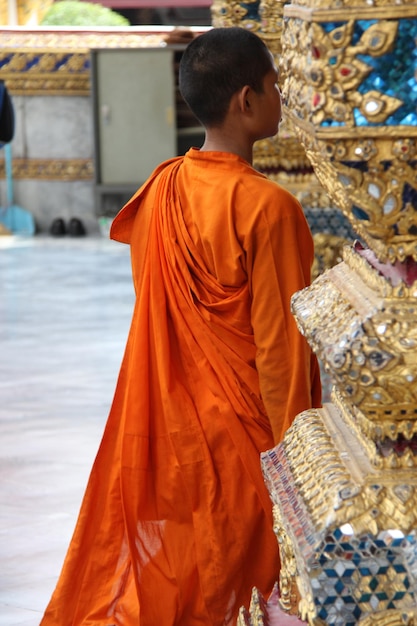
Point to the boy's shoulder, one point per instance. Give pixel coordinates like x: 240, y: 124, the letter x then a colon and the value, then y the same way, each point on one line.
x: 264, y: 191
x: 121, y: 227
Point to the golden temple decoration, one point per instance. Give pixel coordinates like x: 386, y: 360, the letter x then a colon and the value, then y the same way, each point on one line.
x: 82, y: 39
x: 343, y: 482
x: 270, y: 13
x: 57, y: 62
x: 392, y: 618
x: 52, y: 73
x: 328, y: 251
x: 284, y: 160
x: 334, y: 74
x: 51, y: 169
x: 290, y: 153
x: 371, y: 352
x: 289, y: 590
x: 363, y: 9
x: 365, y: 172
x: 236, y: 13
x: 257, y: 611
x: 28, y: 12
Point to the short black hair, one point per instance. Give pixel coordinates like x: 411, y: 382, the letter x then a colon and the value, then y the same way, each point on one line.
x: 216, y: 65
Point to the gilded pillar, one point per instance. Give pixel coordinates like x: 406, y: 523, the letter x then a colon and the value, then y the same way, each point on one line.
x: 343, y: 482
x: 23, y: 12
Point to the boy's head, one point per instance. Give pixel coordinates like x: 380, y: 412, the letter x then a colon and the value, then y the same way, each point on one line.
x: 216, y: 65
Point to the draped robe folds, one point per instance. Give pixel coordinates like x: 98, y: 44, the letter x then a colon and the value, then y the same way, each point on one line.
x: 176, y: 523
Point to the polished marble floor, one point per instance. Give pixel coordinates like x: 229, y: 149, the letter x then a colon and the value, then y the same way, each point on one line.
x: 65, y: 309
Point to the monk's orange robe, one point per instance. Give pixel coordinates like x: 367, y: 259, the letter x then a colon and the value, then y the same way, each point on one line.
x: 176, y: 523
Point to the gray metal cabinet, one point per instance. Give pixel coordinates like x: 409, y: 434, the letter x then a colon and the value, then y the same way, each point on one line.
x: 135, y: 101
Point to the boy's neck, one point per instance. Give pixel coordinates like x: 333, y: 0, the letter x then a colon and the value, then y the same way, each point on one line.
x: 218, y: 140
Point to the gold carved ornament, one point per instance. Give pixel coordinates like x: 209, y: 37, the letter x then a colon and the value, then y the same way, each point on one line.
x: 343, y: 483
x: 370, y: 197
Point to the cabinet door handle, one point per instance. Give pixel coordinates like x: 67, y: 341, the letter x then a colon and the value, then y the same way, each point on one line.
x: 169, y: 116
x: 106, y: 113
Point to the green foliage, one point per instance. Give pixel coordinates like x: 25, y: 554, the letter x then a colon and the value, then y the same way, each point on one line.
x: 78, y: 13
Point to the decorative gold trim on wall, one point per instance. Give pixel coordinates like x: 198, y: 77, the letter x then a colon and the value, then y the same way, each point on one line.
x: 61, y: 170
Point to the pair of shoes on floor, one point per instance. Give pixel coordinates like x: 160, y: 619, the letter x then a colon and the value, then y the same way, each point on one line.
x: 75, y: 228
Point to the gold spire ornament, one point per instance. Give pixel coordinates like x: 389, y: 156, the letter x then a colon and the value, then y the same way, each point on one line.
x: 23, y: 12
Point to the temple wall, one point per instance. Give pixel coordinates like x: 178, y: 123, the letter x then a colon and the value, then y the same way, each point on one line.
x: 53, y: 159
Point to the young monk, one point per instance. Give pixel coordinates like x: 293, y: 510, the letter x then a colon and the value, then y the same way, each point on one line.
x: 176, y: 524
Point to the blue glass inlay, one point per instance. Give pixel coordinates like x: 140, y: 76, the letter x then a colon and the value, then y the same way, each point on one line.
x: 398, y: 81
x: 61, y: 62
x: 360, y: 120
x: 356, y: 613
x: 330, y: 573
x: 328, y: 27
x: 32, y: 63
x: 399, y: 568
x: 348, y: 599
x: 398, y: 595
x: 362, y: 166
x: 409, y: 120
x: 365, y: 597
x: 349, y: 571
x: 360, y: 214
x: 333, y: 600
x: 329, y: 547
x: 252, y: 9
x: 35, y: 60
x: 360, y: 27
x: 331, y: 122
x: 381, y: 595
x: 337, y: 533
x: 6, y: 60
x: 322, y: 614
x: 409, y: 197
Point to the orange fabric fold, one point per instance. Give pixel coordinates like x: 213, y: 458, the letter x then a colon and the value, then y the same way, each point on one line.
x: 176, y: 524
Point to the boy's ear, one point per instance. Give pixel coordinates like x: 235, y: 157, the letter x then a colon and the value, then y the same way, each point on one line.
x: 244, y: 99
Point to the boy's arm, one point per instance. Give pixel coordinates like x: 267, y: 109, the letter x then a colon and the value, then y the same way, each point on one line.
x: 279, y: 264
